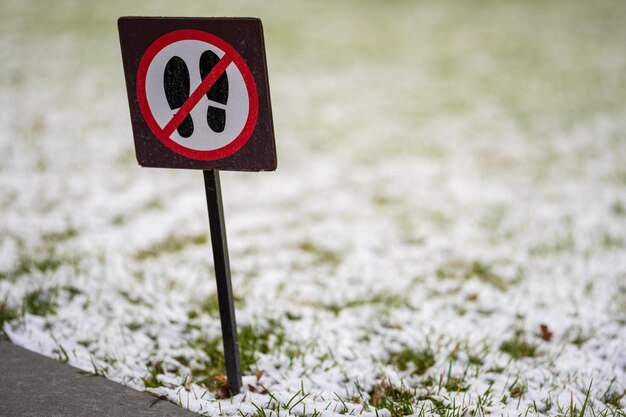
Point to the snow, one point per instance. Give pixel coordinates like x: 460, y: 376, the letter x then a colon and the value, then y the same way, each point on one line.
x: 442, y: 212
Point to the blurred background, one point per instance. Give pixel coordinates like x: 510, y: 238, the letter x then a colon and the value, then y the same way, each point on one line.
x: 450, y: 174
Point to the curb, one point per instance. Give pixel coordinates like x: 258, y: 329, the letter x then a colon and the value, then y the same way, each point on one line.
x: 34, y: 385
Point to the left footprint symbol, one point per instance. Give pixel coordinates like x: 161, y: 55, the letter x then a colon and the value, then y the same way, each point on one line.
x: 176, y: 85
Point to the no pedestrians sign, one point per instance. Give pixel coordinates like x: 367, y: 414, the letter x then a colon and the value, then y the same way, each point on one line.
x: 198, y: 92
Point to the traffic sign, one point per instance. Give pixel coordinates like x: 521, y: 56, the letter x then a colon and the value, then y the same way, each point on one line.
x: 198, y: 92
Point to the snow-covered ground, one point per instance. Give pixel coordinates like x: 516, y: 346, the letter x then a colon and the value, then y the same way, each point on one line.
x: 445, y: 234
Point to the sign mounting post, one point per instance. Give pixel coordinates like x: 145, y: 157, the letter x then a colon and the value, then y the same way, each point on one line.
x: 225, y: 300
x: 198, y: 93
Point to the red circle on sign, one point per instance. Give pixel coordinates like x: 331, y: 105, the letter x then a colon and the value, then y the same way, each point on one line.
x: 253, y: 101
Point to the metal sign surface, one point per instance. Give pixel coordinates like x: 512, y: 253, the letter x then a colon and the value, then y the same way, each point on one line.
x: 198, y: 92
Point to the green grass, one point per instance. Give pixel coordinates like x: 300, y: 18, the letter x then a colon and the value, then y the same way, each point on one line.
x: 517, y: 389
x: 384, y: 300
x: 456, y: 383
x: 6, y: 314
x: 577, y: 336
x: 518, y: 347
x: 132, y: 298
x: 151, y: 380
x: 41, y: 302
x: 400, y: 401
x: 417, y: 361
x: 613, y: 398
x: 482, y: 271
x: 618, y: 209
x: 211, y: 305
x: 47, y: 263
x: 171, y: 244
x: 322, y: 256
x: 254, y: 340
x: 53, y: 238
x: 563, y: 244
x: 612, y: 395
x: 264, y: 339
x: 46, y: 258
x: 214, y: 352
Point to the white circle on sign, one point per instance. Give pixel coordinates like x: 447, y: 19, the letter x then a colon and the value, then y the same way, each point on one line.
x: 236, y: 108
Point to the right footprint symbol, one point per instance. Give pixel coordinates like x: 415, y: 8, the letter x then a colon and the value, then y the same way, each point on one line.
x: 216, y: 117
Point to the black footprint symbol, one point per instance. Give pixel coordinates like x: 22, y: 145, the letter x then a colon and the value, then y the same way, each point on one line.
x: 216, y: 117
x: 176, y: 84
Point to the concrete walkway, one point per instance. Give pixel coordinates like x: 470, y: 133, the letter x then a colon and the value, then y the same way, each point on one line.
x: 33, y: 385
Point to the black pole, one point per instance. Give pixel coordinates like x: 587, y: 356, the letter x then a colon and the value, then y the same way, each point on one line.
x: 222, y: 275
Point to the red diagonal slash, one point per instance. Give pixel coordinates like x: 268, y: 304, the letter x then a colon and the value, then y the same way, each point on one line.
x: 195, y: 97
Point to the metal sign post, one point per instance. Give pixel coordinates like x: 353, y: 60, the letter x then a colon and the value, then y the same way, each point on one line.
x: 222, y: 276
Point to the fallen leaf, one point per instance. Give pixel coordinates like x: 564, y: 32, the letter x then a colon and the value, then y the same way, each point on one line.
x: 221, y: 386
x: 546, y: 334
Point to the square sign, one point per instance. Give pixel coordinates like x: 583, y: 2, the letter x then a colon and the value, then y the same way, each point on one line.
x: 198, y: 93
